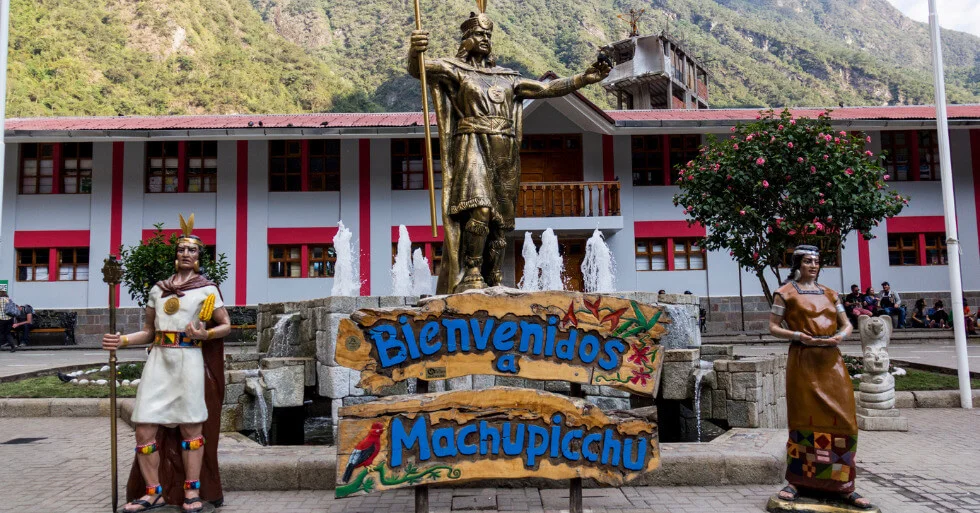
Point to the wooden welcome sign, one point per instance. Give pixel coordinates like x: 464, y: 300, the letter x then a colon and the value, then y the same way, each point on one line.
x: 568, y: 336
x: 502, y: 432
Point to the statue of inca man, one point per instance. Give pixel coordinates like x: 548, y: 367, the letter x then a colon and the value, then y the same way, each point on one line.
x: 479, y: 109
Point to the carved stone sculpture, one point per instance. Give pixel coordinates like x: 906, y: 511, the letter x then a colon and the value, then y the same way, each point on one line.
x: 876, y: 400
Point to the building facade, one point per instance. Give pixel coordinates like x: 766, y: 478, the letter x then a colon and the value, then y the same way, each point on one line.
x: 268, y: 192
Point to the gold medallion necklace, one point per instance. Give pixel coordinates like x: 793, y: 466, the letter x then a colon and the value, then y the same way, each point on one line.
x: 171, y: 306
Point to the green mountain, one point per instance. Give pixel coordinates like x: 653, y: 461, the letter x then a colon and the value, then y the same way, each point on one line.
x: 109, y: 57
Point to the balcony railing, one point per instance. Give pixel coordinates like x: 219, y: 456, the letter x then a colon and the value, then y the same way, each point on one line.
x: 568, y: 199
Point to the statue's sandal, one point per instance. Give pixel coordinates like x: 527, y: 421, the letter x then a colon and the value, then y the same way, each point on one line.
x: 194, y: 500
x: 158, y: 502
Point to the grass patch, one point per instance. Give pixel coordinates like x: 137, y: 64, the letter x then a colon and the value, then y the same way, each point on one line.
x: 917, y: 380
x: 52, y: 387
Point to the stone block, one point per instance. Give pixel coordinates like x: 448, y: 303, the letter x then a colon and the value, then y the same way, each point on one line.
x: 337, y: 304
x: 681, y: 355
x: 78, y: 408
x: 363, y: 302
x: 742, y: 414
x: 247, y: 365
x: 613, y: 392
x: 352, y: 400
x: 675, y: 379
x: 334, y: 382
x: 460, y: 383
x: 937, y: 399
x: 326, y: 348
x: 27, y: 407
x: 238, y: 376
x: 683, y: 330
x: 609, y: 403
x: 287, y: 384
x: 558, y: 386
x: 231, y: 417
x: 232, y: 392
x: 904, y: 400
x: 482, y: 382
x: 717, y: 350
x: 866, y: 423
x: 741, y: 381
x: 719, y: 403
x: 396, y: 301
x: 510, y: 381
x: 400, y: 388
x: 720, y: 365
x: 317, y: 472
x: 679, y: 299
x: 355, y: 378
x: 335, y: 405
x: 243, y: 357
x: 747, y: 365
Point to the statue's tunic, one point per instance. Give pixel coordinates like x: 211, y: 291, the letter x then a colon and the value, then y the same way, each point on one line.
x: 171, y: 388
x: 819, y: 397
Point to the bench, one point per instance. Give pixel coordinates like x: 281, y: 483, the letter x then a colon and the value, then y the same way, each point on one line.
x: 53, y: 322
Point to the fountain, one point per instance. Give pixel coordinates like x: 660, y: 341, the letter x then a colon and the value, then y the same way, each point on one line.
x: 401, y: 271
x: 421, y: 276
x: 531, y: 280
x: 284, y: 335
x: 255, y: 386
x: 599, y: 267
x: 550, y: 262
x: 704, y: 369
x: 346, y: 281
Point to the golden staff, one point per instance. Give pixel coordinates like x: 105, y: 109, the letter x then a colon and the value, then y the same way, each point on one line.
x: 111, y: 274
x: 428, y: 131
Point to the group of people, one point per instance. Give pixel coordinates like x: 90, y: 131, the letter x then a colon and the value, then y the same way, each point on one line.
x: 889, y: 302
x: 14, y: 317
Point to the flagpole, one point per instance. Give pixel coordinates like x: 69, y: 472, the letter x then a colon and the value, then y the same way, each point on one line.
x: 949, y: 207
x: 4, y: 43
x: 428, y: 130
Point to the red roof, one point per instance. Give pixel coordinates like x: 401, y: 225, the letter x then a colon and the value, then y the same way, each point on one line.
x: 843, y: 113
x: 407, y: 119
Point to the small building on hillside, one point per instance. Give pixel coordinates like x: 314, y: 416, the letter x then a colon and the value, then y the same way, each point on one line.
x: 655, y: 72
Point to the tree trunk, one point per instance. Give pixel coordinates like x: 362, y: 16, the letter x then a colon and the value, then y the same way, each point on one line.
x: 765, y: 286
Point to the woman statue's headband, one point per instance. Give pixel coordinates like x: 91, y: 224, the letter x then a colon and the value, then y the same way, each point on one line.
x: 187, y: 227
x: 803, y: 250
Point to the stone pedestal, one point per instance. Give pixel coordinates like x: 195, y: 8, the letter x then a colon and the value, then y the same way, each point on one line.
x: 812, y: 505
x: 881, y: 420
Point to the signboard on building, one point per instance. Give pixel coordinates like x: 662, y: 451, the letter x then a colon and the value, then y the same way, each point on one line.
x: 569, y: 336
x: 4, y: 286
x: 498, y: 433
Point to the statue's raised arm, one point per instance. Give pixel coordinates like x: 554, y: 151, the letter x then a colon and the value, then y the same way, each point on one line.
x: 479, y: 107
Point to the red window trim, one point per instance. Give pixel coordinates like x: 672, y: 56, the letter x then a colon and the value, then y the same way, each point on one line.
x: 916, y: 224
x: 207, y: 235
x: 297, y: 236
x: 24, y: 239
x: 668, y: 230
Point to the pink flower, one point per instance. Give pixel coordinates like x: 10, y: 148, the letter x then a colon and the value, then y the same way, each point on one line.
x: 828, y: 138
x: 749, y: 137
x: 765, y: 184
x: 799, y: 159
x: 790, y: 145
x: 819, y: 225
x: 868, y: 153
x: 733, y: 129
x: 825, y: 157
x: 792, y: 232
x: 690, y: 163
x: 849, y: 171
x: 755, y: 255
x: 729, y: 177
x: 813, y: 170
x: 780, y: 127
x: 843, y: 133
x: 868, y: 138
x: 760, y: 161
x: 897, y: 196
x: 822, y: 201
x: 769, y: 229
x: 735, y: 147
x: 741, y: 212
x: 773, y: 139
x: 886, y: 177
x: 821, y: 194
x: 836, y: 140
x: 829, y: 184
x: 792, y: 121
x: 788, y: 178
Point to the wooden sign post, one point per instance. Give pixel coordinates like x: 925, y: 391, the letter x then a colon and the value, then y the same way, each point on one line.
x: 501, y: 432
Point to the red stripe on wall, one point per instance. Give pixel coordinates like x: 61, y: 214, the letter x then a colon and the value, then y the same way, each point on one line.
x: 643, y: 229
x: 916, y: 224
x: 53, y: 264
x: 864, y: 262
x: 207, y: 235
x: 975, y: 157
x: 418, y: 234
x: 364, y: 212
x: 241, y: 225
x: 305, y: 235
x: 51, y: 239
x: 116, y: 200
x: 608, y: 159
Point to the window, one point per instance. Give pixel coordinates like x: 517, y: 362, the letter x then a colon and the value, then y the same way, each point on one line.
x: 829, y: 252
x: 655, y: 157
x: 430, y: 250
x: 76, y: 169
x: 162, y: 164
x: 408, y: 164
x: 32, y: 264
x: 201, y: 174
x: 911, y: 155
x: 285, y: 261
x: 37, y: 168
x: 307, y: 165
x: 73, y: 264
x: 651, y: 255
x: 688, y: 255
x: 935, y: 246
x: 323, y: 261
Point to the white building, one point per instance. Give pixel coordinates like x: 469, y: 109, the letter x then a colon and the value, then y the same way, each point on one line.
x: 268, y: 191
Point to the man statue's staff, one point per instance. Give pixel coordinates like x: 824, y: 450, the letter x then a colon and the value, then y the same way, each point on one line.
x: 428, y: 132
x: 112, y: 274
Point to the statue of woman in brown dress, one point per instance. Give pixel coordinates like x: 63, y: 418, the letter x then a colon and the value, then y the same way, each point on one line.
x: 479, y: 108
x: 823, y: 430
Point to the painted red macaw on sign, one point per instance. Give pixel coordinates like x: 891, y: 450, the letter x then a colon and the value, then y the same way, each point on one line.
x: 365, y: 451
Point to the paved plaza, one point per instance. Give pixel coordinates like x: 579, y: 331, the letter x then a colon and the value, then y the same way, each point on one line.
x: 935, y: 466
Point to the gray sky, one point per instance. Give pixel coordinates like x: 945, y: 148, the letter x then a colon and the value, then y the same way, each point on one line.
x: 962, y: 15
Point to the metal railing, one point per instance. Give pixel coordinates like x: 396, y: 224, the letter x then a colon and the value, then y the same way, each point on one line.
x: 568, y: 199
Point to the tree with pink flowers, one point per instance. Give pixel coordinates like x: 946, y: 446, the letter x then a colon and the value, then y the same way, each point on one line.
x: 781, y: 181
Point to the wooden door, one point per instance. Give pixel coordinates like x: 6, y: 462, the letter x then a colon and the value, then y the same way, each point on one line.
x: 551, y: 158
x: 572, y: 253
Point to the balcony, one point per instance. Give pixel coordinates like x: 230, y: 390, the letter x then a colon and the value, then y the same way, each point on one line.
x: 569, y: 206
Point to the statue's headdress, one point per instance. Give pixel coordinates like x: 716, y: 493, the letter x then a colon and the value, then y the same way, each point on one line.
x: 804, y: 250
x: 477, y: 19
x: 187, y: 227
